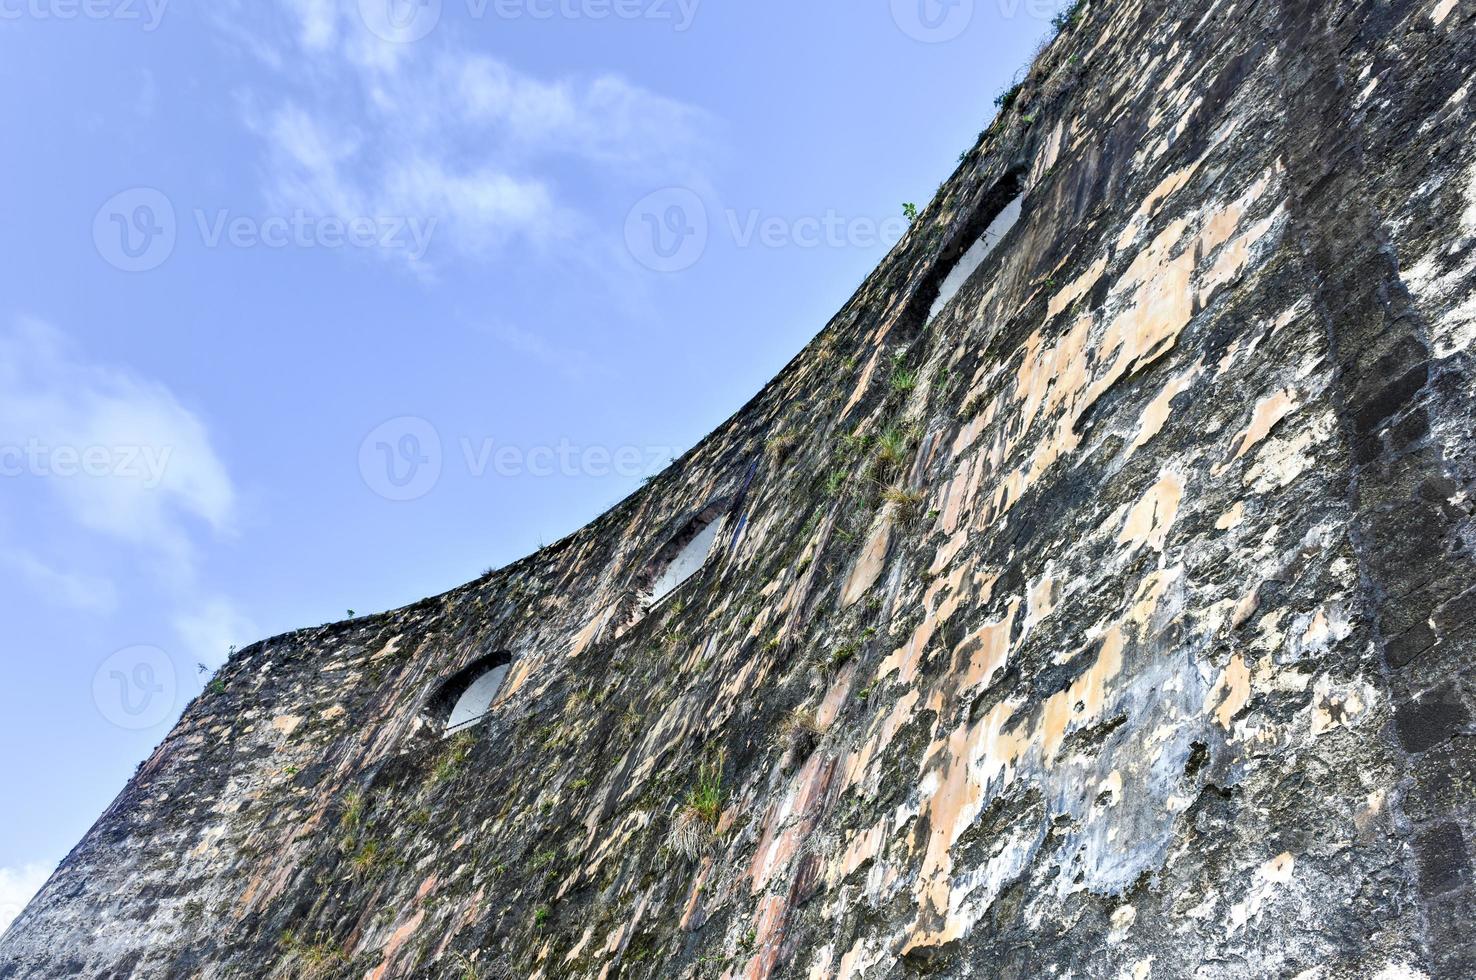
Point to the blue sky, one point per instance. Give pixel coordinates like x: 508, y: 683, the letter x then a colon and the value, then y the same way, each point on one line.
x: 319, y: 305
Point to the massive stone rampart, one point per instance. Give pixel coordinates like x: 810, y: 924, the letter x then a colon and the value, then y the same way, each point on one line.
x: 1115, y: 620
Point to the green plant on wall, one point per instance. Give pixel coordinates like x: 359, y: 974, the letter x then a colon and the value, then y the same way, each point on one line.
x: 906, y: 502
x: 706, y: 798
x: 695, y: 823
x: 451, y: 762
x: 1069, y: 17
x: 891, y: 450
x: 843, y: 653
x: 318, y: 957
x: 369, y: 856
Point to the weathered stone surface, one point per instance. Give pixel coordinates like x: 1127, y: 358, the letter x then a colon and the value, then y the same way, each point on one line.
x: 1116, y: 621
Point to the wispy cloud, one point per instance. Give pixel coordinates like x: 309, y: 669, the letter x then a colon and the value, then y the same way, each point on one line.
x: 212, y: 628
x: 355, y: 126
x: 17, y: 887
x: 123, y: 456
x: 573, y: 363
x: 122, y: 475
x: 85, y: 593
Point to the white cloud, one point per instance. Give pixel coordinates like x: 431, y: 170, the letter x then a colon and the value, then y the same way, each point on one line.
x: 122, y: 454
x: 146, y: 102
x: 317, y: 20
x: 354, y: 126
x: 86, y: 593
x: 573, y: 363
x: 17, y: 887
x: 210, y: 629
x: 129, y: 465
x: 604, y: 120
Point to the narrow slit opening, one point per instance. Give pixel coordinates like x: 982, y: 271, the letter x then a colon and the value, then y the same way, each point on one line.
x: 982, y: 248
x: 685, y: 554
x: 993, y: 217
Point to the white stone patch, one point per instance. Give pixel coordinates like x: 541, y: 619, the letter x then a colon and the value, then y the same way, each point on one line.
x: 1122, y: 924
x: 861, y: 957
x: 1399, y: 971
x: 1271, y: 877
x: 1109, y: 790
x: 1314, y: 633
x: 1143, y: 768
x: 389, y: 649
x: 820, y: 964
x: 1049, y: 154
x: 1468, y: 220
x: 1269, y: 635
x: 1340, y: 705
x: 1269, y: 679
x: 1455, y: 329
x: 1283, y: 460
x: 973, y: 892
x: 1142, y: 970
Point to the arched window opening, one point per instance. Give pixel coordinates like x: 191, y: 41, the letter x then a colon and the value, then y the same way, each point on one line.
x: 476, y: 701
x: 465, y: 699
